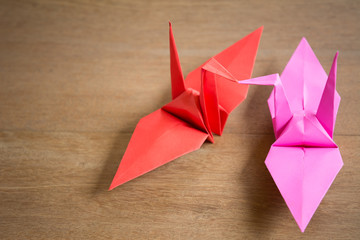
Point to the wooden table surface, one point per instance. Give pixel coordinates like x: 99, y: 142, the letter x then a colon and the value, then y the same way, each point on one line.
x: 75, y: 78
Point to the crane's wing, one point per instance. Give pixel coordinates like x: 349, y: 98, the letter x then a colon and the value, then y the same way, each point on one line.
x: 304, y: 79
x: 158, y: 138
x: 238, y: 60
x: 303, y: 175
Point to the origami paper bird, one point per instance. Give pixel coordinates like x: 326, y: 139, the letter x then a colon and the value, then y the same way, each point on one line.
x: 201, y: 105
x: 304, y: 160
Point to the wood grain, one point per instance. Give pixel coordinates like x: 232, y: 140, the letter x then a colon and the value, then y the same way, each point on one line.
x: 75, y: 78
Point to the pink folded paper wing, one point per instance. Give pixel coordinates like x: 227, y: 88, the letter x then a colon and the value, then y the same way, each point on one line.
x: 303, y: 175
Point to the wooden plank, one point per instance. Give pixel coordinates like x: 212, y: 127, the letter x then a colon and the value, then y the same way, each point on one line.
x: 76, y: 76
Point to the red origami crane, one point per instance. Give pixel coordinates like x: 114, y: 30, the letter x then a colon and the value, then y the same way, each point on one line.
x: 200, y: 106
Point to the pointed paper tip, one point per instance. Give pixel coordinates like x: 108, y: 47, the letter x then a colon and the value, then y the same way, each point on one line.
x: 113, y: 185
x: 304, y: 42
x: 259, y: 30
x: 117, y: 182
x: 336, y: 57
x: 169, y: 24
x: 304, y: 223
x: 333, y: 68
x: 254, y: 35
x: 303, y: 39
x: 263, y: 80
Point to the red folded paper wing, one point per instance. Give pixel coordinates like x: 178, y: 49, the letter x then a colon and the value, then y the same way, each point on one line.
x: 158, y: 138
x: 239, y: 60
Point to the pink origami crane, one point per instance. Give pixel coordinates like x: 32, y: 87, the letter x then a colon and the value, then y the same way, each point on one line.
x: 304, y: 160
x: 200, y: 106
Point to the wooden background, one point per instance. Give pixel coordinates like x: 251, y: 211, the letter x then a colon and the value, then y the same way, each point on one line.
x: 75, y: 78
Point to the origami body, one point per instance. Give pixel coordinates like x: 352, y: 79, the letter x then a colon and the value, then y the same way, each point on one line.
x: 304, y: 160
x: 200, y: 106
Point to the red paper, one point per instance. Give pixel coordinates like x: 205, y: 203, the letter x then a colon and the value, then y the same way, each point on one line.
x: 200, y: 106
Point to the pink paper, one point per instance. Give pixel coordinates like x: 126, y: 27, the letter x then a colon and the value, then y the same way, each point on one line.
x: 304, y: 160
